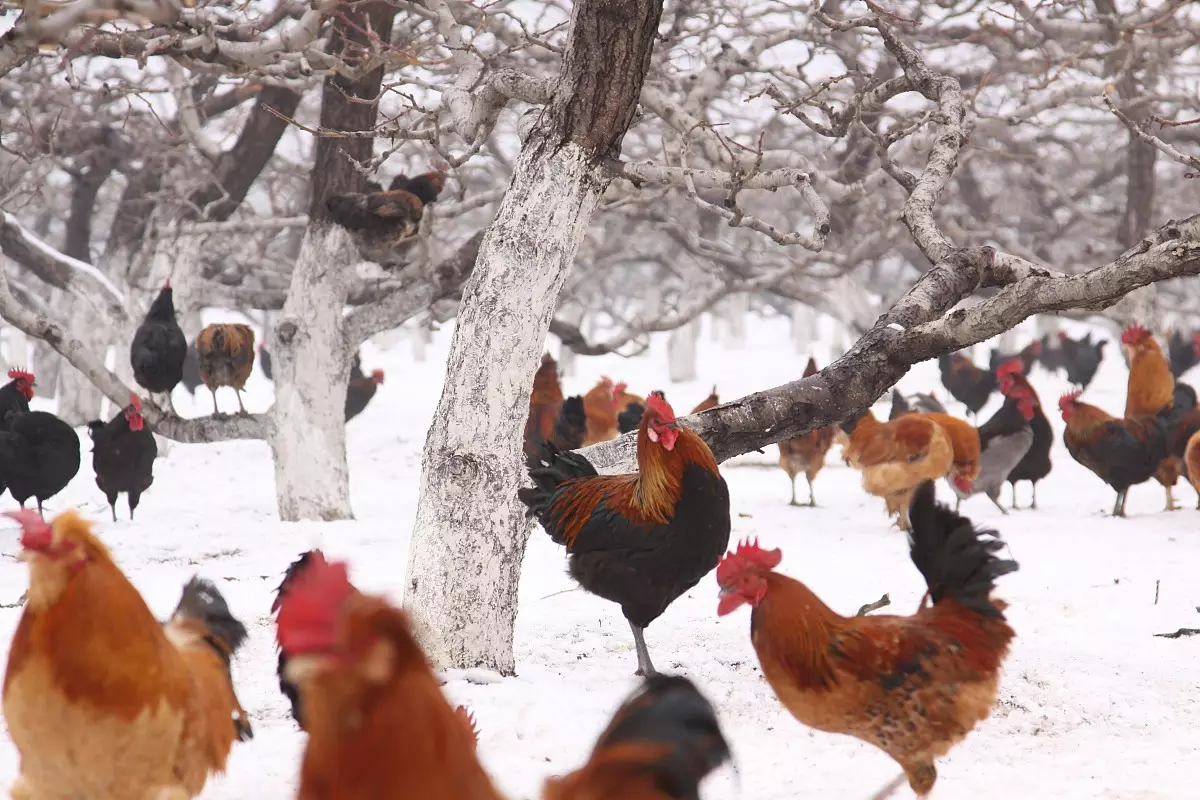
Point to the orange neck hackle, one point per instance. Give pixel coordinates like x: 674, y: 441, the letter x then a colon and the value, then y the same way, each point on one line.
x: 664, y: 449
x: 1080, y: 415
x: 56, y: 551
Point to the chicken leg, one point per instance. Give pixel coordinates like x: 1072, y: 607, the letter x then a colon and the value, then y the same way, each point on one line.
x: 645, y: 667
x: 1034, y: 504
x: 241, y: 408
x: 995, y: 498
x: 1119, y: 506
x: 216, y: 409
x: 1171, y: 506
x: 812, y: 498
x: 793, y: 500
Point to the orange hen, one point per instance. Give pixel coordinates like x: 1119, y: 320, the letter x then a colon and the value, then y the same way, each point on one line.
x: 599, y: 406
x: 101, y: 700
x: 912, y: 686
x: 378, y: 725
x: 806, y: 454
x: 965, y: 449
x: 544, y: 403
x: 1149, y: 392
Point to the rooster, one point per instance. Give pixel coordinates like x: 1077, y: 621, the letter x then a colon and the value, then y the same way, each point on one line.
x: 361, y: 388
x: 159, y: 346
x: 712, y: 401
x: 806, y: 453
x: 15, y: 396
x: 570, y: 426
x: 544, y: 403
x: 100, y: 699
x: 378, y: 725
x: 1035, y: 464
x: 1150, y: 392
x: 912, y: 686
x: 897, y: 456
x: 1005, y: 438
x: 1028, y: 356
x: 1121, y: 452
x: 643, y: 539
x: 123, y: 453
x: 967, y: 383
x: 660, y: 744
x: 226, y: 354
x: 599, y: 404
x: 39, y: 455
x: 290, y: 690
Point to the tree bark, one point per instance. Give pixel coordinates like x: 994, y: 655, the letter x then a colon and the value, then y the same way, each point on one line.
x: 470, y: 534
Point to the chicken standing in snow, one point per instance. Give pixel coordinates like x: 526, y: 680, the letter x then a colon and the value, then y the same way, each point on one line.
x: 912, y: 686
x: 123, y: 453
x: 642, y: 539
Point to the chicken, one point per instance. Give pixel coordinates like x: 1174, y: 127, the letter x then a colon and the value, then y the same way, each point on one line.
x: 1182, y: 423
x: 100, y: 699
x: 15, y: 396
x: 806, y: 453
x: 643, y: 539
x: 1027, y: 357
x: 917, y: 403
x: 570, y: 427
x: 601, y: 412
x: 159, y: 346
x: 967, y: 383
x: 39, y: 455
x: 1183, y: 352
x: 379, y: 221
x: 1121, y: 452
x: 1052, y: 355
x: 896, y: 457
x: 359, y: 392
x: 661, y: 744
x: 226, y: 358
x: 912, y: 686
x: 1191, y: 460
x: 123, y: 453
x: 712, y: 401
x: 1004, y: 439
x: 191, y: 370
x: 290, y: 690
x: 544, y: 403
x: 264, y: 361
x: 1081, y: 358
x: 629, y: 419
x: 1035, y: 464
x: 426, y: 186
x: 1150, y: 392
x: 378, y: 725
x: 622, y: 399
x: 965, y: 449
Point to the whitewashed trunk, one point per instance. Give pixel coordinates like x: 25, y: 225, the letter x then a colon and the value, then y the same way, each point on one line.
x: 420, y: 341
x: 16, y: 349
x: 469, y: 513
x: 78, y: 400
x: 681, y: 353
x: 737, y: 308
x: 802, y: 328
x: 311, y: 367
x: 46, y: 365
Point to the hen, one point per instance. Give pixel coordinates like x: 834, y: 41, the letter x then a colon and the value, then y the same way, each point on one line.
x: 100, y: 699
x: 39, y: 455
x: 660, y: 745
x: 629, y: 419
x: 1150, y: 392
x: 967, y: 383
x: 600, y: 408
x: 1027, y: 357
x: 380, y: 221
x: 226, y: 353
x: 544, y: 402
x: 806, y: 453
x: 912, y: 686
x: 1183, y: 352
x: 712, y: 401
x: 123, y: 453
x: 159, y: 346
x: 378, y: 725
x: 1081, y: 358
x: 570, y: 426
x: 643, y: 539
x: 964, y: 451
x: 1005, y: 438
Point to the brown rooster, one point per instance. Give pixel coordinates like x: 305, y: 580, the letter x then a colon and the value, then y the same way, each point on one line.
x: 544, y: 402
x: 712, y: 401
x: 912, y: 686
x: 806, y: 453
x: 599, y: 405
x: 226, y: 354
x: 1150, y: 390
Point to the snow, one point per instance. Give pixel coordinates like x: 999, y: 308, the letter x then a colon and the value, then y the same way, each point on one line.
x: 1091, y: 704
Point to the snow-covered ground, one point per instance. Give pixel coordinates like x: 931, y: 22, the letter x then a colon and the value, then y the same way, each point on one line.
x: 1092, y: 705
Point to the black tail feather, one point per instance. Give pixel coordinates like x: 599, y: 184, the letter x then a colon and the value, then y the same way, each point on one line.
x: 202, y: 601
x: 549, y: 468
x: 957, y: 560
x: 570, y: 426
x: 669, y: 711
x: 290, y: 690
x: 630, y: 418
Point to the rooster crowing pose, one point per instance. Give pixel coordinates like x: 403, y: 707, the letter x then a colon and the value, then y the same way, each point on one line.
x: 640, y: 540
x: 912, y: 686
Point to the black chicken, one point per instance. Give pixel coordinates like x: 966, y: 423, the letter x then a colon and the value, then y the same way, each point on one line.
x: 570, y: 426
x: 15, y: 396
x: 1035, y: 464
x: 264, y: 361
x: 191, y: 370
x: 360, y: 389
x: 1081, y: 358
x: 1028, y: 356
x: 967, y: 383
x: 1005, y: 438
x: 39, y: 455
x: 630, y: 417
x: 426, y: 186
x: 159, y: 346
x: 289, y: 689
x: 123, y: 453
x: 1183, y: 352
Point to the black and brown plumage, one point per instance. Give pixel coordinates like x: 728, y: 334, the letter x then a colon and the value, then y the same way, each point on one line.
x: 226, y: 354
x: 382, y: 220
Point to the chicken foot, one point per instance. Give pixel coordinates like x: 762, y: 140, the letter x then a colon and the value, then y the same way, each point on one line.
x: 645, y: 667
x: 995, y: 498
x: 812, y: 498
x: 1119, y: 506
x: 890, y: 787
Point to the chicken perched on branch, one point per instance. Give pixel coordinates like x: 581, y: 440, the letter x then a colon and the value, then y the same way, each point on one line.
x: 1121, y: 452
x: 897, y: 456
x: 101, y: 700
x: 806, y: 454
x: 712, y: 401
x: 378, y: 725
x: 382, y: 220
x: 159, y: 347
x: 123, y: 453
x: 912, y: 686
x: 660, y: 745
x: 640, y: 540
x: 226, y: 354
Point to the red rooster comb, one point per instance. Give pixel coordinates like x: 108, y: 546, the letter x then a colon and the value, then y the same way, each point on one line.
x: 811, y: 369
x: 656, y: 404
x: 36, y: 533
x: 1070, y: 397
x: 619, y: 388
x: 377, y: 376
x: 167, y: 285
x: 748, y: 555
x: 18, y: 374
x: 1010, y: 367
x: 1134, y: 334
x: 311, y: 608
x: 135, y: 401
x: 469, y: 719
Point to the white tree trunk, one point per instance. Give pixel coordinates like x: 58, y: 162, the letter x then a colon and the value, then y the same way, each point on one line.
x: 681, y: 352
x: 312, y: 367
x: 737, y: 308
x: 79, y: 401
x: 420, y: 340
x: 468, y: 511
x: 802, y: 328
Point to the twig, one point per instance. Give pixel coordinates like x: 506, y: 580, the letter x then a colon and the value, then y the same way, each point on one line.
x: 1179, y: 634
x: 1156, y: 584
x: 882, y: 602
